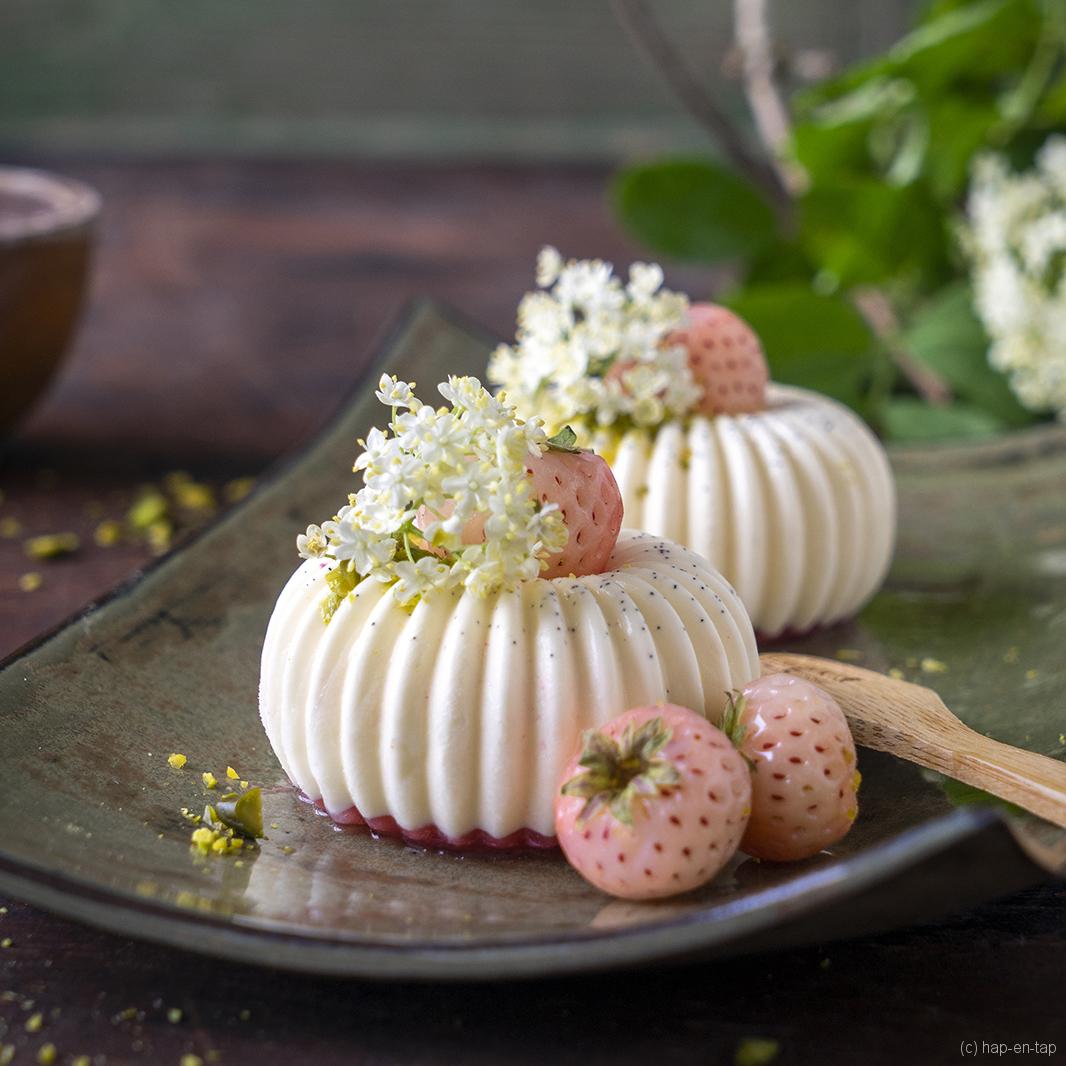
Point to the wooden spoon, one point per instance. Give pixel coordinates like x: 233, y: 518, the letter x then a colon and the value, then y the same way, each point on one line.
x: 912, y: 721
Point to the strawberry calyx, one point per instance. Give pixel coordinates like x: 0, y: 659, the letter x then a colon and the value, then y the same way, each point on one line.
x: 732, y: 723
x: 619, y: 773
x: 563, y: 441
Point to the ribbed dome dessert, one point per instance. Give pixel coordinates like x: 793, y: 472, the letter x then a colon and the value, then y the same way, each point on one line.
x: 452, y: 722
x: 785, y: 491
x: 795, y: 503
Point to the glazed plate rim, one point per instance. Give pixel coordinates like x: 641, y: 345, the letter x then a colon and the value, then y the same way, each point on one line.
x: 333, y: 953
x: 556, y: 954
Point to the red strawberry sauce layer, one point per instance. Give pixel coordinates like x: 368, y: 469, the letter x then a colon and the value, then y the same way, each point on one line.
x: 429, y: 836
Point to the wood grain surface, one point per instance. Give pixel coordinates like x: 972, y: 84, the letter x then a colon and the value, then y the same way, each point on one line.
x: 233, y: 306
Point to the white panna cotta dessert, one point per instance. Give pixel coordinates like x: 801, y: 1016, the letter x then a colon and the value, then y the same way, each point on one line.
x: 785, y: 491
x: 431, y: 666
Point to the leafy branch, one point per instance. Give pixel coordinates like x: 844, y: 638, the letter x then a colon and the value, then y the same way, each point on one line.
x: 845, y: 227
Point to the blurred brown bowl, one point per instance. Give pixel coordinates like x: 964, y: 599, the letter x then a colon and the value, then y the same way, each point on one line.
x: 46, y: 235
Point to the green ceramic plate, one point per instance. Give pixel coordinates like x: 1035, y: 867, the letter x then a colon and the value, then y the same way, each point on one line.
x: 89, y: 822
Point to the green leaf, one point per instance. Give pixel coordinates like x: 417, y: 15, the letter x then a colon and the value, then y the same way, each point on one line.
x: 959, y: 128
x: 242, y: 813
x: 946, y: 335
x: 863, y: 231
x: 780, y: 262
x: 692, y: 209
x: 818, y: 341
x: 973, y: 42
x: 911, y: 419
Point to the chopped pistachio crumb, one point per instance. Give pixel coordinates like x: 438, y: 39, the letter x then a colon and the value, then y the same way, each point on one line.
x: 6, y: 942
x: 7, y: 1054
x: 825, y: 964
x: 238, y: 488
x: 210, y: 781
x: 1031, y: 675
x: 159, y: 536
x: 1062, y: 738
x: 189, y: 494
x: 10, y: 527
x: 108, y: 533
x: 150, y: 507
x: 191, y: 1060
x: 3, y: 910
x: 194, y: 497
x: 243, y: 813
x: 31, y: 581
x: 47, y: 1054
x: 34, y: 1022
x: 177, y: 760
x: 287, y: 849
x: 232, y: 774
x: 756, y: 1051
x: 81, y: 1060
x: 849, y: 655
x: 933, y: 666
x: 51, y: 545
x: 1012, y: 654
x: 896, y: 673
x: 244, y: 784
x: 203, y: 837
x: 174, y: 1015
x: 245, y: 1014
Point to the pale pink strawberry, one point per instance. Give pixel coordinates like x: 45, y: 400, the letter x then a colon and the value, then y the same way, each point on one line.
x: 583, y: 486
x: 726, y: 359
x: 589, y: 500
x: 655, y: 803
x: 804, y: 776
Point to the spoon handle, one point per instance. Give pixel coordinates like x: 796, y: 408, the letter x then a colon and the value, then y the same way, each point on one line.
x: 912, y: 722
x: 1028, y: 780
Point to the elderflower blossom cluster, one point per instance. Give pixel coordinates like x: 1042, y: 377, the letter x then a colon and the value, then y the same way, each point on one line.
x: 424, y: 478
x: 591, y: 349
x: 1017, y: 239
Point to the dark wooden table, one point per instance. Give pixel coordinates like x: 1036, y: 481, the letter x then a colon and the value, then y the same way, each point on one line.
x: 233, y: 306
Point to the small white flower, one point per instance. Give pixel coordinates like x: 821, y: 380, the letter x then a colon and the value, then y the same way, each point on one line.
x: 549, y: 263
x: 448, y: 465
x: 311, y: 544
x: 416, y: 579
x: 1016, y: 239
x: 645, y: 279
x: 584, y: 324
x: 393, y: 393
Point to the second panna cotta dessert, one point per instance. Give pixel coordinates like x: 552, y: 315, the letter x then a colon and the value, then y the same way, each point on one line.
x: 470, y: 611
x: 787, y: 492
